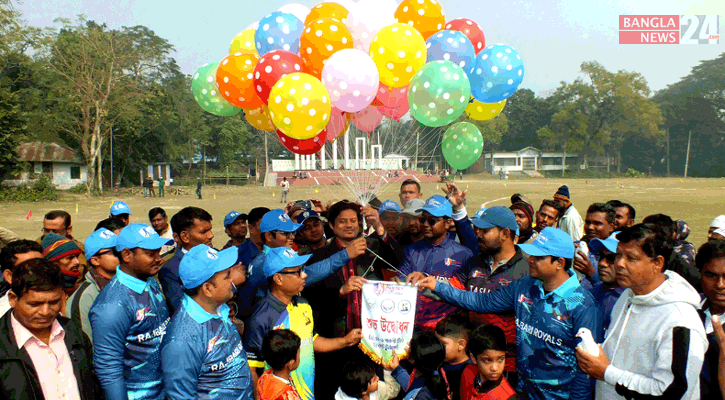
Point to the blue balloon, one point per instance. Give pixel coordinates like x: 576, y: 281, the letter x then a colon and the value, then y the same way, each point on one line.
x: 498, y: 73
x: 451, y: 46
x: 278, y: 31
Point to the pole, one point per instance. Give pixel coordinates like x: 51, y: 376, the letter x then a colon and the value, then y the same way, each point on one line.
x: 687, y: 157
x: 266, y: 158
x: 668, y: 152
x: 227, y: 175
x: 112, y: 157
x: 417, y: 140
x: 563, y: 161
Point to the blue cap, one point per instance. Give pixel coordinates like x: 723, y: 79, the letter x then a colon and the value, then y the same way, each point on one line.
x: 304, y: 216
x: 202, y: 262
x: 610, y: 243
x: 480, y: 212
x: 389, y: 205
x: 141, y: 236
x: 99, y: 240
x: 233, y: 216
x: 550, y: 242
x: 280, y: 258
x: 501, y: 217
x: 277, y: 220
x: 438, y: 206
x: 119, y: 208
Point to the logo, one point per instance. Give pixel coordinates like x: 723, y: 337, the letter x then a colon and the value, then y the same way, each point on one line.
x: 146, y: 232
x: 106, y: 234
x: 118, y: 206
x: 307, y: 318
x: 560, y: 317
x: 284, y: 217
x: 289, y: 253
x: 371, y: 303
x: 525, y: 300
x: 404, y: 307
x: 212, y: 254
x: 141, y: 314
x: 450, y: 261
x: 433, y: 202
x: 669, y: 29
x: 306, y: 214
x: 387, y: 305
x: 212, y: 342
x: 379, y: 289
x: 477, y: 274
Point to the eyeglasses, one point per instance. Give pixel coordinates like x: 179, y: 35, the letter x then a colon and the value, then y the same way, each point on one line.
x: 431, y: 221
x: 298, y: 272
x: 101, y: 253
x: 285, y: 234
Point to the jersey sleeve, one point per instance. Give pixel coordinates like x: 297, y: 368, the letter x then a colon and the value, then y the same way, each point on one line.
x: 496, y: 301
x: 110, y: 323
x: 326, y: 267
x: 182, y: 361
x: 253, y: 341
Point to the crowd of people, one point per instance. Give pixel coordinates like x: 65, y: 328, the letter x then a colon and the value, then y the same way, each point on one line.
x: 515, y: 302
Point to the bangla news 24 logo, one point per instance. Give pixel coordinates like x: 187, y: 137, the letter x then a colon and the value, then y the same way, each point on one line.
x: 669, y: 29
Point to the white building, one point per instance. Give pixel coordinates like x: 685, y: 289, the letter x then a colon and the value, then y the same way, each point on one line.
x: 63, y: 164
x: 529, y: 159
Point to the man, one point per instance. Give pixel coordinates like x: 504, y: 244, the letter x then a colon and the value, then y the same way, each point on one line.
x: 198, y: 187
x: 162, y: 183
x: 64, y: 253
x: 113, y: 224
x: 412, y: 231
x: 151, y: 186
x: 121, y: 210
x: 570, y: 221
x: 656, y: 343
x: 59, y: 222
x: 235, y: 226
x: 284, y: 308
x: 624, y: 215
x: 682, y: 257
x: 599, y: 224
x: 252, y: 247
x: 160, y: 223
x: 11, y: 255
x: 285, y: 190
x: 710, y: 260
x: 311, y: 236
x: 524, y: 213
x: 550, y: 308
x: 202, y: 354
x: 44, y: 356
x: 191, y: 227
x: 717, y: 223
x: 606, y: 290
x: 129, y: 319
x: 101, y: 253
x: 145, y: 185
x: 409, y: 190
x: 390, y: 217
x: 437, y: 255
x: 548, y: 215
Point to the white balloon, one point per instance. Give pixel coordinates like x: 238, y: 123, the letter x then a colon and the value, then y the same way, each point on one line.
x: 254, y: 25
x: 298, y: 10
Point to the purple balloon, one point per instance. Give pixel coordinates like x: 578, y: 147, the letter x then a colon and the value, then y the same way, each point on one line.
x: 351, y: 78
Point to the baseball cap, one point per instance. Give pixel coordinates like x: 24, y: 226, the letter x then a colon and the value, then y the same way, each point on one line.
x: 411, y: 208
x: 610, y: 243
x: 99, y: 240
x: 119, y: 208
x: 718, y: 222
x: 304, y: 216
x: 233, y: 216
x: 389, y: 205
x: 280, y: 258
x: 480, y: 212
x: 438, y: 206
x: 550, y: 242
x: 140, y: 236
x: 202, y: 262
x: 501, y: 217
x: 277, y: 220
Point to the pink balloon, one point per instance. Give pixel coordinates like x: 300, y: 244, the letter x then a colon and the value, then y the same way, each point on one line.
x: 392, y: 97
x: 337, y: 126
x: 394, y: 113
x: 351, y: 78
x: 368, y: 119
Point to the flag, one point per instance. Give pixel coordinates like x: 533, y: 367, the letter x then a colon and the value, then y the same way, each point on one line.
x: 76, y: 208
x: 317, y: 191
x: 30, y: 214
x: 214, y: 196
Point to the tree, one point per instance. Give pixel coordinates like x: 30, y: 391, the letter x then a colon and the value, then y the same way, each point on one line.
x: 526, y: 114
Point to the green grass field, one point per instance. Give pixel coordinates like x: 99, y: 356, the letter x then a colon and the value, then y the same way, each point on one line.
x: 696, y: 201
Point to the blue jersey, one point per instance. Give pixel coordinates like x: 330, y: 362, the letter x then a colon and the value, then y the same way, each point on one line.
x: 203, y: 357
x: 129, y: 319
x: 547, y: 324
x: 247, y: 252
x: 171, y: 281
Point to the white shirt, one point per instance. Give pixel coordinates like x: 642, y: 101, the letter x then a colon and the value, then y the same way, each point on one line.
x: 285, y: 185
x: 4, y: 304
x: 169, y: 234
x: 708, y: 318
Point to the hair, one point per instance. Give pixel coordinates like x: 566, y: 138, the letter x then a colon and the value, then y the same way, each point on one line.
x: 665, y: 222
x: 618, y: 204
x: 709, y: 251
x: 355, y: 378
x: 609, y: 211
x: 486, y: 337
x: 428, y: 354
x: 59, y: 214
x: 255, y: 215
x: 112, y: 224
x: 184, y: 219
x: 410, y: 182
x: 455, y: 326
x: 7, y: 254
x: 36, y: 274
x: 341, y: 206
x: 553, y: 204
x: 156, y: 211
x: 650, y: 237
x: 279, y: 347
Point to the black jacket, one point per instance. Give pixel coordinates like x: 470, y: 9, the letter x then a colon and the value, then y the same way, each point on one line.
x: 19, y: 378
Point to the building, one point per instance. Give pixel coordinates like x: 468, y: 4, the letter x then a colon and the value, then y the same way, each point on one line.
x: 64, y: 165
x: 529, y: 159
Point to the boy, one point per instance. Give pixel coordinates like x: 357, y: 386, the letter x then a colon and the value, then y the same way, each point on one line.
x: 359, y: 382
x: 484, y: 379
x: 281, y: 351
x: 454, y: 331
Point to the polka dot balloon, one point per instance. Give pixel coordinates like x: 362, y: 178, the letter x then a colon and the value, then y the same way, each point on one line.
x: 321, y: 39
x: 484, y: 111
x: 367, y: 119
x: 337, y: 126
x: 244, y: 43
x: 427, y: 16
x: 235, y: 78
x: 259, y: 118
x: 272, y: 67
x: 392, y: 97
x: 498, y: 73
x: 398, y: 51
x: 278, y: 31
x: 471, y: 29
x: 206, y: 93
x: 462, y: 145
x: 439, y: 93
x: 299, y: 106
x: 451, y: 46
x: 327, y: 9
x: 303, y: 146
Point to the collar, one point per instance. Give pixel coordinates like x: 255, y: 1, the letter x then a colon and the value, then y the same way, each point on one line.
x: 132, y: 283
x: 183, y: 250
x: 446, y: 242
x: 564, y: 290
x: 23, y: 335
x: 100, y: 281
x: 482, y: 386
x: 199, y: 314
x: 266, y: 249
x: 277, y: 304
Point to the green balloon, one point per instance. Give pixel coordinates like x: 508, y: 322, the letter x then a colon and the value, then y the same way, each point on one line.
x: 438, y: 94
x: 206, y: 93
x: 462, y: 145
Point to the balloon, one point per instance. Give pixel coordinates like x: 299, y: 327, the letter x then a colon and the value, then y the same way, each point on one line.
x: 321, y: 39
x: 393, y: 112
x: 351, y: 78
x: 462, y: 145
x: 368, y: 119
x: 299, y: 106
x: 498, y: 73
x: 303, y: 146
x: 278, y: 31
x: 426, y: 16
x: 337, y: 126
x: 254, y: 25
x: 398, y: 51
x: 234, y: 78
x: 243, y: 43
x: 298, y: 10
x: 439, y: 93
x: 361, y: 34
x: 327, y: 10
x: 366, y: 18
x: 259, y: 118
x: 393, y: 97
x: 471, y: 29
x: 272, y: 67
x: 484, y: 111
x: 452, y: 46
x: 205, y: 91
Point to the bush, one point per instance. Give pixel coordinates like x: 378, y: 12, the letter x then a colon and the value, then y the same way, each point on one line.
x: 41, y: 190
x: 80, y: 188
x: 633, y: 173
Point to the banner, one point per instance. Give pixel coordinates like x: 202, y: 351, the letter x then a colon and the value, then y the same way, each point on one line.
x: 388, y: 319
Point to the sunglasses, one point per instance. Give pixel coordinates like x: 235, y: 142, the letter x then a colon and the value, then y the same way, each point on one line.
x: 285, y: 234
x: 431, y: 221
x: 298, y: 272
x: 101, y: 253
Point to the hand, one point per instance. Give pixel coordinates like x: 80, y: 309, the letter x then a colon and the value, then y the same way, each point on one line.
x: 591, y: 365
x: 319, y: 207
x: 355, y: 283
x: 288, y: 207
x: 357, y: 248
x: 393, y: 363
x: 353, y: 337
x: 373, y: 218
x: 238, y: 274
x: 584, y: 265
x: 414, y: 277
x: 239, y: 324
x: 429, y: 282
x: 455, y: 196
x: 719, y: 333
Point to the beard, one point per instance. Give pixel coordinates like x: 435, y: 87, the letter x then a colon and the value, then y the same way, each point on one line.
x: 489, y: 250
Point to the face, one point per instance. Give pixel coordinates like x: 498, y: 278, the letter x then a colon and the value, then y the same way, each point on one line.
x: 490, y: 364
x: 409, y: 192
x: 56, y: 226
x: 596, y: 226
x: 411, y: 224
x: 69, y: 263
x: 713, y: 282
x: 292, y: 280
x: 313, y: 231
x: 433, y: 227
x: 159, y: 223
x: 622, y: 219
x: 219, y: 287
x: 125, y: 218
x: 199, y: 233
x: 562, y: 203
x: 544, y: 268
x: 391, y: 222
x: 346, y: 226
x: 547, y: 216
x: 489, y: 240
x: 142, y: 262
x: 36, y: 310
x: 296, y: 213
x: 106, y: 260
x: 454, y: 348
x: 238, y: 229
x: 635, y: 270
x: 254, y: 229
x: 605, y: 268
x: 522, y: 220
x: 19, y: 258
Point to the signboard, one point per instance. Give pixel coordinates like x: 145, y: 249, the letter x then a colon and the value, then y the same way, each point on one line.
x: 669, y: 29
x: 388, y: 319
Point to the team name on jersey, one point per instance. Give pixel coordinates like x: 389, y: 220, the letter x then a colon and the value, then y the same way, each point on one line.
x: 536, y: 332
x: 223, y: 364
x: 158, y: 331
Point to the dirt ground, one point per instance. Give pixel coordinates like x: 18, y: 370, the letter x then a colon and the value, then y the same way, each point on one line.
x: 696, y: 201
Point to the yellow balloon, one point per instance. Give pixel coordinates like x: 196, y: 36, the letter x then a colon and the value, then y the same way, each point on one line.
x: 484, y: 111
x: 259, y: 118
x: 243, y: 42
x: 300, y: 106
x: 398, y: 51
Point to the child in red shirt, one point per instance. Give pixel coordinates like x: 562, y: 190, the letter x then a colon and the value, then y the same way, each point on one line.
x: 484, y: 379
x: 281, y: 351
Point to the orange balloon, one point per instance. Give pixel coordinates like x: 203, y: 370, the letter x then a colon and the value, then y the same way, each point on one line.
x: 259, y: 118
x: 321, y: 39
x: 426, y: 16
x: 235, y: 79
x: 327, y: 9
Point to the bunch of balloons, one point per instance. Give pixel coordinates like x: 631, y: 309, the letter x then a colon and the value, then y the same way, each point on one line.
x: 308, y: 73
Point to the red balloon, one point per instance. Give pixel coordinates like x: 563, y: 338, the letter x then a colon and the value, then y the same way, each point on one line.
x: 471, y: 29
x: 272, y: 67
x: 337, y: 126
x: 392, y: 97
x: 368, y: 119
x: 303, y: 146
x: 395, y: 113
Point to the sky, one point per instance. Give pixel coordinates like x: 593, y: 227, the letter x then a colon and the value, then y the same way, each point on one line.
x: 554, y: 37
